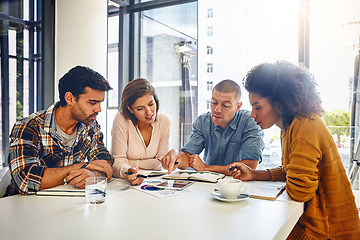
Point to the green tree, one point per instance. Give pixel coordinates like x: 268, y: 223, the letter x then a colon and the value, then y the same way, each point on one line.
x: 338, y: 122
x: 19, y: 108
x: 275, y: 137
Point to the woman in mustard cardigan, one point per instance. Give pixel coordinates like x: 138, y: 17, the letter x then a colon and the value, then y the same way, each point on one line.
x: 284, y: 94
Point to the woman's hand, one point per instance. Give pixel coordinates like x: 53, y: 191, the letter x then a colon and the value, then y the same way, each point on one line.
x: 169, y: 161
x: 133, y: 179
x: 242, y: 171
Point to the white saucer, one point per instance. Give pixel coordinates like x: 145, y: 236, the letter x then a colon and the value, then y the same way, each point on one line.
x: 217, y: 195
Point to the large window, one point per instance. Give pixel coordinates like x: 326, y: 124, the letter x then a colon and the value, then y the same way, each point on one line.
x: 168, y: 59
x: 334, y: 45
x: 224, y: 41
x: 184, y: 53
x: 20, y: 24
x: 165, y: 53
x: 243, y: 35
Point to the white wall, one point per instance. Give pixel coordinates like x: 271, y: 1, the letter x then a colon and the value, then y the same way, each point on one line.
x: 80, y: 35
x: 81, y: 39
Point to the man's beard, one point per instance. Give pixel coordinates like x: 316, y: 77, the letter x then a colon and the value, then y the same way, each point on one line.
x: 86, y: 120
x: 89, y: 119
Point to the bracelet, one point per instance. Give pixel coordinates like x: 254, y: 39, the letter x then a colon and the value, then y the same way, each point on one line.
x: 84, y: 166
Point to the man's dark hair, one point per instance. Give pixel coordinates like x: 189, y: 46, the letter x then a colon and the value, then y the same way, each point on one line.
x: 77, y: 79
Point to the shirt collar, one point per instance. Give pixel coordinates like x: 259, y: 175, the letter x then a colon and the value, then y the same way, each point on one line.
x: 49, y: 124
x: 232, y: 125
x: 49, y: 117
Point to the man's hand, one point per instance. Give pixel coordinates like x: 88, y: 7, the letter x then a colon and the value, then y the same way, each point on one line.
x: 169, y: 160
x: 196, y: 163
x: 77, y: 177
x: 101, y: 166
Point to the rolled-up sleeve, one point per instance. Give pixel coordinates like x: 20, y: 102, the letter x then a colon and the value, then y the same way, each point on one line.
x: 196, y: 142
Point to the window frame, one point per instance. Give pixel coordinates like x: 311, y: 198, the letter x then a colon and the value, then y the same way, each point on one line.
x: 40, y: 26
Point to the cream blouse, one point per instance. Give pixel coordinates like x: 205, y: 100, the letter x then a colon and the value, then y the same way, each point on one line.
x: 128, y: 147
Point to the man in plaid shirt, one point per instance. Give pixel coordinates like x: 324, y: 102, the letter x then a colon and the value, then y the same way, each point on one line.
x: 52, y: 146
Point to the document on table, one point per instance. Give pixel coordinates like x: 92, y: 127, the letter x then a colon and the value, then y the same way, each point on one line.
x: 202, y: 176
x: 264, y: 189
x: 148, y: 186
x: 62, y: 190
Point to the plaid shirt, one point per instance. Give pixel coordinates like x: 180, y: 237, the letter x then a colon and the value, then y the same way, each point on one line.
x: 35, y: 145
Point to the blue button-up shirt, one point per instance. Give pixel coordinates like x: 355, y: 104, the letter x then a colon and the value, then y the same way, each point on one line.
x: 241, y: 139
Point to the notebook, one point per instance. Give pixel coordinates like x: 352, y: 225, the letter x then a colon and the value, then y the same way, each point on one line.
x: 62, y: 190
x: 264, y: 189
x: 203, y: 176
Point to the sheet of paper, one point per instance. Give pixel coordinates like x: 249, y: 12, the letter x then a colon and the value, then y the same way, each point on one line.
x: 148, y: 186
x: 264, y: 189
x: 62, y: 190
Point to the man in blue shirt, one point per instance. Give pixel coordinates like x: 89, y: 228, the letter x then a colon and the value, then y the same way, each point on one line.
x: 227, y: 134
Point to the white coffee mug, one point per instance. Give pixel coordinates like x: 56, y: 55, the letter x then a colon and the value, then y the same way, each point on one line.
x: 230, y: 188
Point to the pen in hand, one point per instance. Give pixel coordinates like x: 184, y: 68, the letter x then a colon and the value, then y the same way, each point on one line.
x: 139, y: 175
x: 83, y: 166
x: 232, y: 168
x: 66, y: 182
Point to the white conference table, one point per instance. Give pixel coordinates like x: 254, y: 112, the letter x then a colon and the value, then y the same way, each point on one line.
x: 132, y: 214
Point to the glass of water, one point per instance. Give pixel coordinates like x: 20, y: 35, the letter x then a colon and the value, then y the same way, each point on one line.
x: 95, y: 189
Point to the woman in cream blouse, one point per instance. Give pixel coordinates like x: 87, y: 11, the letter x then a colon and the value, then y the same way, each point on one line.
x: 140, y: 135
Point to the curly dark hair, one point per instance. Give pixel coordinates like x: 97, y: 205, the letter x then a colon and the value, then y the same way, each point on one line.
x: 289, y: 87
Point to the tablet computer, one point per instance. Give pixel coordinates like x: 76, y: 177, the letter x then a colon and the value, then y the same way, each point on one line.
x: 174, y: 184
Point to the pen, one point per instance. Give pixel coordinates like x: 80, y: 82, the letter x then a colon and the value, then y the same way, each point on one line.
x: 143, y: 176
x: 83, y: 166
x: 71, y: 179
x: 232, y: 168
x: 139, y: 175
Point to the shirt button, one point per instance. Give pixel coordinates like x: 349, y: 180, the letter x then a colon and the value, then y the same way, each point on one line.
x: 223, y: 136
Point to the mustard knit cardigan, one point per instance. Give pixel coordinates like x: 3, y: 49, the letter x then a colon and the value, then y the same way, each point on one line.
x: 315, y: 175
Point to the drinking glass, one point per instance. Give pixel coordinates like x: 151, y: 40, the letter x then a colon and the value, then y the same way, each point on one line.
x: 95, y: 189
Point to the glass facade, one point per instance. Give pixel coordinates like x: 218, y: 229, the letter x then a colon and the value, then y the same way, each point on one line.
x: 20, y: 23
x: 334, y: 45
x: 168, y: 59
x: 186, y: 47
x: 213, y: 41
x: 165, y: 40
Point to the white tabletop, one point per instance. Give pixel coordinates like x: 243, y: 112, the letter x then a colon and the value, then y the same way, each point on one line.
x: 131, y: 214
